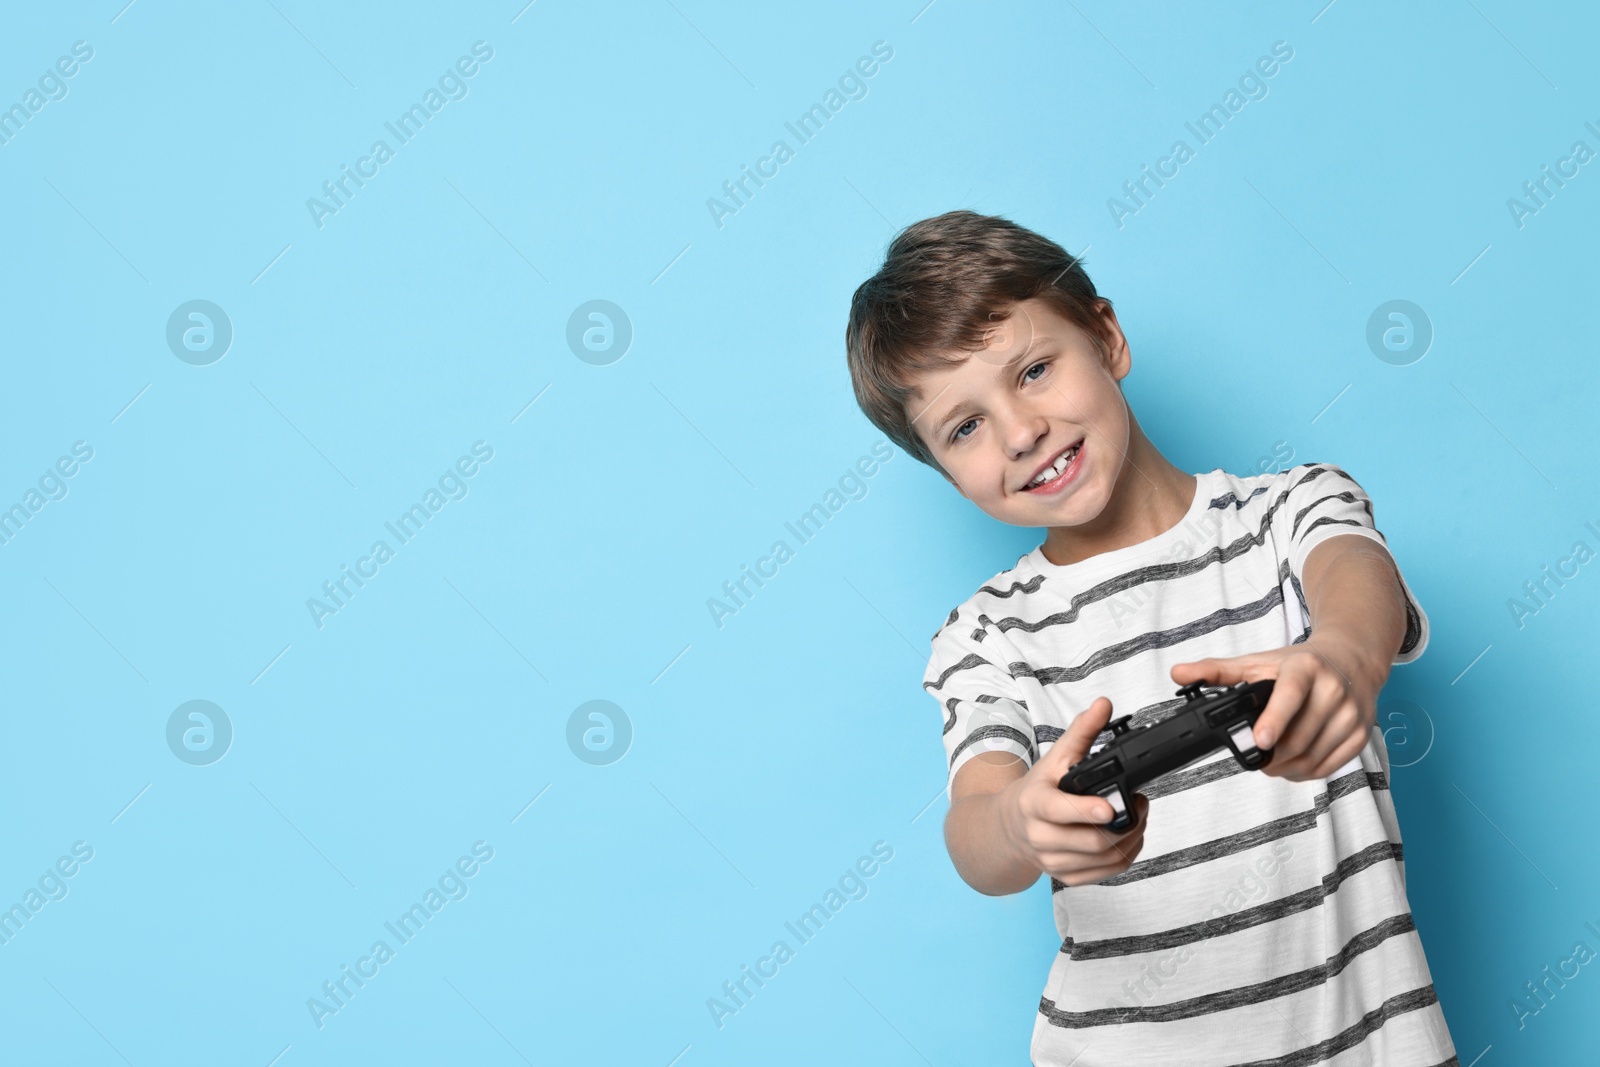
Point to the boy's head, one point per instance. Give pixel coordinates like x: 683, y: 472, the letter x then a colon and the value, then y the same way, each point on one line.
x: 982, y: 349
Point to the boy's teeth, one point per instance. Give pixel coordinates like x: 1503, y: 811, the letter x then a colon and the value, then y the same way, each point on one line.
x: 1055, y: 469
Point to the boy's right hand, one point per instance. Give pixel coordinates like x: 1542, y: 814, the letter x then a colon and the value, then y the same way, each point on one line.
x: 1064, y: 834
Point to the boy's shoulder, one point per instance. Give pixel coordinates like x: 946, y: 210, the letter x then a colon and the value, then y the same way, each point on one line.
x: 998, y: 593
x: 1267, y: 489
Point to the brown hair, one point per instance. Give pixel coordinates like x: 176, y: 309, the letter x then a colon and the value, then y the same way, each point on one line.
x: 944, y: 283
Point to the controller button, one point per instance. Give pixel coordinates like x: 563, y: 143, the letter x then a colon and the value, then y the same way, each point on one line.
x: 1243, y: 738
x: 1114, y: 798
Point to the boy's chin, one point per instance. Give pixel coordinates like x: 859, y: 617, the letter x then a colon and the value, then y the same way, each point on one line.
x: 1017, y: 513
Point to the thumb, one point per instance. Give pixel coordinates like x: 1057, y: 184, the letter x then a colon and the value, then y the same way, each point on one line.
x: 1074, y: 743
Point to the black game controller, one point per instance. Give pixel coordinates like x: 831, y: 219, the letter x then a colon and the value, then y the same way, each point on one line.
x: 1222, y: 718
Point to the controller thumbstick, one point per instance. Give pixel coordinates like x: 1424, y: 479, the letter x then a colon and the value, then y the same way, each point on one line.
x: 1191, y: 691
x: 1119, y: 726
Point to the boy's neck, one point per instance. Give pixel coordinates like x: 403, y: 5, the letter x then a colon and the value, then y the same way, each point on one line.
x: 1151, y: 497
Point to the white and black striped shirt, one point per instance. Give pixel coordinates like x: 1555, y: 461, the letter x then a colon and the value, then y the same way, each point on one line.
x: 1265, y: 921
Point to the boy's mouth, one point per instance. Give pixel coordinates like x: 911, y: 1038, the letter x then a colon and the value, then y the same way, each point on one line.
x: 1062, y: 469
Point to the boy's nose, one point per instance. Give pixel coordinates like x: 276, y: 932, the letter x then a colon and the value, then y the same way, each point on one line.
x: 1024, y: 431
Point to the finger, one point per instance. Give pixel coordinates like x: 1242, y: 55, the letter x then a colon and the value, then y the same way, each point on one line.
x: 1094, y: 874
x: 1343, y: 754
x: 1289, y: 691
x: 1117, y: 854
x: 1069, y: 862
x: 1305, y: 767
x: 1076, y: 810
x: 1075, y: 741
x: 1343, y: 723
x: 1127, y: 843
x: 1074, y: 871
x: 1141, y: 811
x: 1072, y: 809
x: 1289, y: 770
x: 1053, y: 804
x: 1078, y: 845
x: 1218, y: 670
x: 1326, y: 694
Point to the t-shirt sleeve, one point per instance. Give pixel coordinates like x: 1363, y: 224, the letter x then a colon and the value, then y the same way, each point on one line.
x: 1323, y: 501
x: 982, y: 703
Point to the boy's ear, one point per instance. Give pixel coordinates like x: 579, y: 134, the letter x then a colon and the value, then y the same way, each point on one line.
x: 1112, y: 344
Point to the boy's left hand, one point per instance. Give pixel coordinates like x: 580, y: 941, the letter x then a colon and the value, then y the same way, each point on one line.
x: 1323, y: 704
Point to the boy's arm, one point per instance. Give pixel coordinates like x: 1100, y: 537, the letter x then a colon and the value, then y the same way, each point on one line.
x: 1009, y: 822
x: 1325, y: 697
x: 1353, y: 593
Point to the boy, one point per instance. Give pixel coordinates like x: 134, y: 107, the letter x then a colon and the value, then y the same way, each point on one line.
x: 1248, y: 917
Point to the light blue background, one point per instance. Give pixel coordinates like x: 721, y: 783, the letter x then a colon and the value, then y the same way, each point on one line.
x: 770, y: 753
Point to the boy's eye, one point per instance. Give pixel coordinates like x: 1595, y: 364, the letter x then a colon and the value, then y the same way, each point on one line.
x: 1036, y: 367
x: 958, y: 434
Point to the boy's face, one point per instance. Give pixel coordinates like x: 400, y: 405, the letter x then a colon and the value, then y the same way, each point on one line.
x: 1018, y: 406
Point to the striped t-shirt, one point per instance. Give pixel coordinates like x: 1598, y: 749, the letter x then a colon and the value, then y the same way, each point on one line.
x: 1265, y: 921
